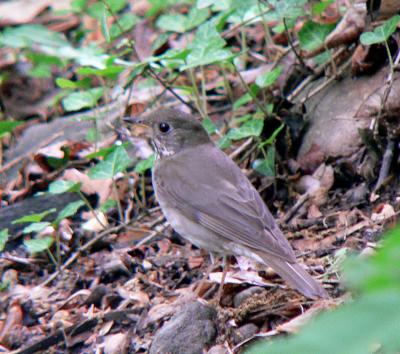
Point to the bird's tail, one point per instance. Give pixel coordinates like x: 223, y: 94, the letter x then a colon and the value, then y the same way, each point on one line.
x: 297, y: 277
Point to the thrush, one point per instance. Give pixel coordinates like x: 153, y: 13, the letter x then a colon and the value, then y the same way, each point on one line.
x: 211, y: 203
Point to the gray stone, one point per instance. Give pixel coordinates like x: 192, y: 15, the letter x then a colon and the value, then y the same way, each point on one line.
x: 245, y: 332
x: 241, y: 297
x: 188, y: 332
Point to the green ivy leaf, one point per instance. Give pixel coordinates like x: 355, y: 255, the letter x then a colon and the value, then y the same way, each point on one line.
x: 251, y: 127
x: 209, y: 126
x: 381, y: 33
x: 69, y: 84
x: 312, y: 35
x: 289, y: 9
x: 207, y: 47
x: 38, y: 245
x: 114, y: 163
x: 35, y: 227
x: 34, y: 218
x: 224, y: 142
x: 125, y: 23
x: 76, y: 101
x: 27, y: 35
x: 3, y: 238
x: 103, y: 152
x: 159, y: 5
x: 78, y: 5
x: 269, y: 78
x: 70, y: 210
x: 62, y: 186
x: 144, y: 165
x: 7, y: 126
x: 97, y: 9
x: 361, y: 325
x: 266, y: 166
x: 107, y: 205
x: 111, y: 71
x: 181, y: 23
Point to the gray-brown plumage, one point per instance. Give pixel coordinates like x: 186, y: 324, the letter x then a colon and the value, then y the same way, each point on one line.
x: 210, y: 202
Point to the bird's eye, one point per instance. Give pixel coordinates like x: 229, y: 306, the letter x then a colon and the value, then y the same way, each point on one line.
x: 164, y: 127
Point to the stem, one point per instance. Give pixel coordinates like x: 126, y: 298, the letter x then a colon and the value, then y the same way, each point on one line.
x: 119, y: 207
x: 58, y: 250
x: 268, y: 37
x: 243, y: 44
x: 253, y: 96
x: 227, y: 85
x: 87, y: 203
x: 203, y: 90
x: 390, y: 58
x: 58, y: 266
x: 196, y: 93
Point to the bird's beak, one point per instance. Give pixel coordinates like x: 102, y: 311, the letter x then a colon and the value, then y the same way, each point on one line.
x: 139, y: 126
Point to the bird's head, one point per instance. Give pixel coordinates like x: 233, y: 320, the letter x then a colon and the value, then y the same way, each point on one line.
x: 171, y: 130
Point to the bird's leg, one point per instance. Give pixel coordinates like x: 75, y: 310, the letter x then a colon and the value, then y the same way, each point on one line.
x: 224, y: 271
x: 210, y: 268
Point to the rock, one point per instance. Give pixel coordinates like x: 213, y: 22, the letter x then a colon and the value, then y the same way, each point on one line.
x: 188, y: 332
x: 241, y: 297
x: 218, y: 349
x: 116, y: 343
x: 245, y: 332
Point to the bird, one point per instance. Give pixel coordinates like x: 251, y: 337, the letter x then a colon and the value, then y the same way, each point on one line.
x: 211, y: 203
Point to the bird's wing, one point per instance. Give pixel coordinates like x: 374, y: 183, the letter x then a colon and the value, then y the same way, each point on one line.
x: 221, y: 198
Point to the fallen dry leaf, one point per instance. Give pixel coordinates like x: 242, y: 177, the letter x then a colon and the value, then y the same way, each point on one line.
x: 103, y: 188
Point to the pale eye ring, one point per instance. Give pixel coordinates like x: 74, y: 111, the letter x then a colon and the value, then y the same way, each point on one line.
x: 164, y: 127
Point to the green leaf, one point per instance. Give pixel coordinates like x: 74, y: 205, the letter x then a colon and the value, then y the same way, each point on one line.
x: 3, y: 238
x: 69, y: 84
x: 144, y: 165
x: 312, y: 35
x: 70, y: 210
x: 207, y: 47
x: 35, y: 227
x: 320, y: 7
x: 181, y: 23
x: 125, y: 23
x: 107, y: 205
x: 380, y: 271
x: 97, y: 9
x: 266, y: 166
x: 34, y: 218
x: 38, y: 245
x: 76, y: 101
x: 269, y: 78
x: 27, y: 35
x: 104, y: 25
x: 78, y: 5
x: 62, y: 186
x: 41, y: 70
x: 105, y: 151
x: 224, y: 142
x: 246, y: 98
x: 369, y: 322
x: 252, y: 127
x: 289, y: 9
x: 111, y: 71
x: 159, y: 5
x: 7, y: 126
x: 209, y: 126
x: 114, y: 163
x: 381, y: 33
x: 273, y: 136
